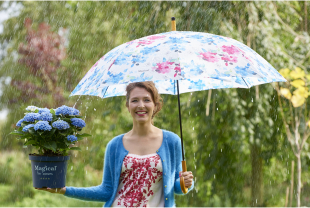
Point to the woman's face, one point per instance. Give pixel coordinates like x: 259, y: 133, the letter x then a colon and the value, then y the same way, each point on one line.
x: 141, y: 105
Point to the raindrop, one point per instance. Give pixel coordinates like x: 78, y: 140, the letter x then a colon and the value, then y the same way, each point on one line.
x: 252, y: 100
x: 189, y: 113
x: 217, y: 109
x: 221, y: 150
x: 256, y: 201
x: 195, y: 167
x: 209, y: 155
x: 71, y: 167
x: 214, y: 176
x: 198, y: 100
x: 94, y: 109
x: 193, y: 128
x: 196, y: 141
x: 86, y: 148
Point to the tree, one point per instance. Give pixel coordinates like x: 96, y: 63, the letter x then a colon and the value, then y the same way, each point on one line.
x: 295, y: 115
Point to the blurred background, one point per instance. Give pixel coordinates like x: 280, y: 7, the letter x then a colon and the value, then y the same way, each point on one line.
x: 242, y: 145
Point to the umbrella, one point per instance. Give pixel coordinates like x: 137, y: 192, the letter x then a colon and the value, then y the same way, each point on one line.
x: 177, y: 62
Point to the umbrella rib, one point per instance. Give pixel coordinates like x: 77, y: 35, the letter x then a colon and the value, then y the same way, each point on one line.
x: 105, y: 91
x: 245, y: 82
x: 174, y: 88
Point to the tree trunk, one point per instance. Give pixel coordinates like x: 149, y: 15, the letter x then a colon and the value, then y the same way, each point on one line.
x: 298, y: 179
x: 257, y: 177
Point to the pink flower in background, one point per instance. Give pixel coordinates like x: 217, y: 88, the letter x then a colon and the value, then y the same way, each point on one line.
x: 230, y: 49
x: 164, y: 67
x: 208, y: 56
x: 155, y: 37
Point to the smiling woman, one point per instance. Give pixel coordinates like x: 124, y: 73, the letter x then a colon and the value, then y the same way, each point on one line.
x: 142, y: 168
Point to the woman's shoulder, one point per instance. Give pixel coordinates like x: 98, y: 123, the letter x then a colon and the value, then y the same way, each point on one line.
x: 171, y: 136
x: 115, y: 140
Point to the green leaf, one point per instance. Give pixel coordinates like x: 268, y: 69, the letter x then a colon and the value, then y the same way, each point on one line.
x: 83, y: 135
x: 30, y: 142
x: 19, y: 133
x: 51, y: 145
x: 52, y: 111
x: 75, y: 148
x: 33, y: 132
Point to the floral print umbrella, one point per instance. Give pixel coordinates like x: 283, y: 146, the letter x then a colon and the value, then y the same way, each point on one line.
x: 200, y: 61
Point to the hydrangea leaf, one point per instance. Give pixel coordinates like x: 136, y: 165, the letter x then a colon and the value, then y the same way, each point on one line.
x: 75, y: 148
x: 52, y: 111
x: 51, y: 145
x: 19, y: 133
x: 286, y: 93
x: 297, y: 100
x: 83, y: 135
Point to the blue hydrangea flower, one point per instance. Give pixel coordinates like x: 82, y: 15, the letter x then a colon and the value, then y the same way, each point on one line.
x: 46, y: 116
x: 19, y: 123
x: 31, y: 117
x: 31, y: 108
x: 75, y: 112
x: 61, y: 125
x: 26, y: 128
x: 77, y: 122
x: 42, y: 125
x: 44, y: 110
x: 71, y: 138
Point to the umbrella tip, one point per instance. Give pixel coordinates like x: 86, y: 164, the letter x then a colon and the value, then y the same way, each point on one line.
x: 172, y: 18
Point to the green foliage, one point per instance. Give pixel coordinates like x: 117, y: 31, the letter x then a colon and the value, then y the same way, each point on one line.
x: 218, y: 147
x: 51, y: 141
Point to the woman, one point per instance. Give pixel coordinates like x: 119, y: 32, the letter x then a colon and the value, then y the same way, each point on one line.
x: 143, y: 166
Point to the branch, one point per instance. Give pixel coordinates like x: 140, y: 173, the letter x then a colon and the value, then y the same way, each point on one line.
x: 287, y: 27
x: 305, y: 137
x: 287, y: 129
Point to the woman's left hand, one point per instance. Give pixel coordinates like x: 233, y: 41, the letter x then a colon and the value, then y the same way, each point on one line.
x: 188, y: 178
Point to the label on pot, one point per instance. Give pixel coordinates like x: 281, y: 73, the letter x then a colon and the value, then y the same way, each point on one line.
x: 41, y: 170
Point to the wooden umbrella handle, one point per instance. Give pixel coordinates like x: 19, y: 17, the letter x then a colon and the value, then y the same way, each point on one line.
x: 184, y: 169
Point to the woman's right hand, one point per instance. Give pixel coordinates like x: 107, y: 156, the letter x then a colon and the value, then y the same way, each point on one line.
x: 53, y: 190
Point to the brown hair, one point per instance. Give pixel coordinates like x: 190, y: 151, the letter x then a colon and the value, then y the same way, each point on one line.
x: 150, y: 87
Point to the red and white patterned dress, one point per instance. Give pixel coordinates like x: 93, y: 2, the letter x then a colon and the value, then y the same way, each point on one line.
x: 141, y: 182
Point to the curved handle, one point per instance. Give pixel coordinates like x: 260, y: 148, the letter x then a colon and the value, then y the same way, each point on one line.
x: 182, y: 183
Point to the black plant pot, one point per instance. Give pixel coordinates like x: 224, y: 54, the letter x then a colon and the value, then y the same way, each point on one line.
x: 49, y: 171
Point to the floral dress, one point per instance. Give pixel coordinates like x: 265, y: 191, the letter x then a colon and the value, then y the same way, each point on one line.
x: 141, y: 183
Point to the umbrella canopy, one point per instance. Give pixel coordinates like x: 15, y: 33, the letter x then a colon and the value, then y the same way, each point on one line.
x: 200, y: 61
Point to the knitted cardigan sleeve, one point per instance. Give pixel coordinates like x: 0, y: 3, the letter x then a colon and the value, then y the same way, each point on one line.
x: 178, y: 154
x: 101, y: 193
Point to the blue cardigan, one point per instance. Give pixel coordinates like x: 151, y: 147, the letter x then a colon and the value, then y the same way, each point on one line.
x: 170, y: 154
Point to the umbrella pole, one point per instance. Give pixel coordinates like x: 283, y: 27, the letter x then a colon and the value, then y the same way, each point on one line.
x: 184, y: 169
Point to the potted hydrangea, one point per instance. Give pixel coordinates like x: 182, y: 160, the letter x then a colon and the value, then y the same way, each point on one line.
x: 53, y: 132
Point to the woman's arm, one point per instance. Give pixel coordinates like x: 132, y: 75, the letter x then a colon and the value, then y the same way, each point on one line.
x: 100, y: 193
x: 178, y: 154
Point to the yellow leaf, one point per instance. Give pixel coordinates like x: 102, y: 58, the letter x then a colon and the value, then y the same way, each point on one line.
x: 285, y: 73
x: 297, y: 73
x: 297, y: 100
x: 286, y: 93
x: 298, y: 83
x: 308, y: 123
x: 302, y: 92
